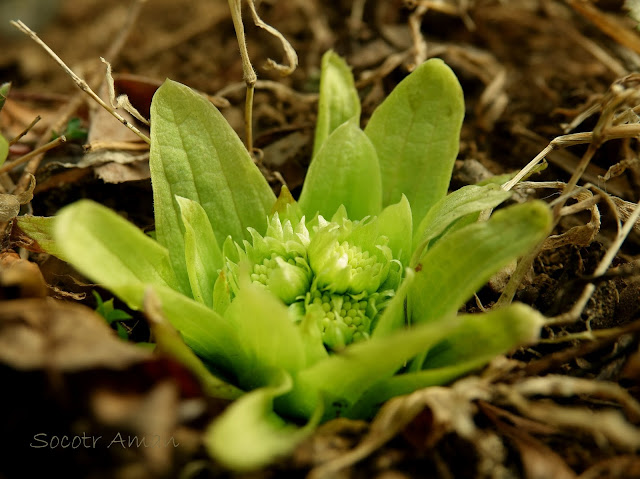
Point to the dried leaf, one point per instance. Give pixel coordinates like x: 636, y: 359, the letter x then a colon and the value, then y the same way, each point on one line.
x: 538, y: 461
x: 578, y: 235
x: 37, y: 334
x: 10, y: 204
x: 451, y: 410
x: 119, y: 407
x: 20, y: 278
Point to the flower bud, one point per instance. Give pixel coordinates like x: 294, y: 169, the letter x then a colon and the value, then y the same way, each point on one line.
x: 344, y: 318
x: 277, y: 260
x: 341, y: 266
x: 286, y: 279
x: 340, y: 272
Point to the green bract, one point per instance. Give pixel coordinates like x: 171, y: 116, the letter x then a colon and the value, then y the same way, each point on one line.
x: 324, y: 307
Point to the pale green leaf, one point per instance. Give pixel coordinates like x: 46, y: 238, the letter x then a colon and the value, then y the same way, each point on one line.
x: 407, y: 383
x: 394, y: 315
x: 339, y: 101
x: 476, y: 341
x: 202, y: 253
x: 4, y: 93
x: 341, y: 378
x: 221, y: 294
x: 40, y: 230
x: 396, y: 224
x: 465, y: 201
x: 416, y: 131
x: 111, y: 251
x: 170, y: 343
x: 270, y: 339
x: 114, y: 253
x: 486, y: 335
x: 287, y: 207
x: 457, y: 266
x: 345, y: 172
x: 211, y: 336
x: 249, y: 435
x: 197, y: 155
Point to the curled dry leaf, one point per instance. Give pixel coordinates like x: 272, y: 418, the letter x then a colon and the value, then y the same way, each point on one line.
x: 289, y: 52
x: 581, y: 235
x: 330, y: 441
x: 624, y: 209
x: 10, y: 204
x: 609, y: 427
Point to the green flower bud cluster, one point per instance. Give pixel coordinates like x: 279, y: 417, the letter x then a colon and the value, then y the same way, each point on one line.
x: 290, y: 278
x: 343, y: 318
x: 336, y: 270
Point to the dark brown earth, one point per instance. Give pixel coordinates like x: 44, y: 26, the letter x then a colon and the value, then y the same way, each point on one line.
x: 564, y: 408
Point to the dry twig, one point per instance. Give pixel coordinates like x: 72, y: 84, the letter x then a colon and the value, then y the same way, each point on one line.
x: 83, y: 85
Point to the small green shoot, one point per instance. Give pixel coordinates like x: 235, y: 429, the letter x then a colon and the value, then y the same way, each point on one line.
x: 74, y: 131
x: 112, y: 315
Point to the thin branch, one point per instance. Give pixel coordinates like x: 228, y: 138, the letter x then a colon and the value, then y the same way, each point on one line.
x: 77, y: 80
x: 26, y: 130
x: 77, y: 100
x: 248, y: 73
x: 52, y: 144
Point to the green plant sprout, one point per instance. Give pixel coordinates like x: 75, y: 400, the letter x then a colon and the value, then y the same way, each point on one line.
x: 112, y: 315
x: 305, y: 311
x: 74, y: 131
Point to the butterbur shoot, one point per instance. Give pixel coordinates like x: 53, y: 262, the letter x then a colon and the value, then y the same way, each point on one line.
x: 307, y: 310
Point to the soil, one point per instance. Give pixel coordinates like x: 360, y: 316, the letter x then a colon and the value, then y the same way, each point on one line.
x: 531, y: 71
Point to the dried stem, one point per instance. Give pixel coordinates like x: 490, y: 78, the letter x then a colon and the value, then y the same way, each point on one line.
x: 606, y: 129
x: 248, y: 116
x: 26, y: 130
x: 249, y: 73
x: 76, y: 101
x: 79, y: 81
x: 52, y: 144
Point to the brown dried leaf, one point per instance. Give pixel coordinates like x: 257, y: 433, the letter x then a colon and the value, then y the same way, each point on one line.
x: 139, y: 90
x: 115, y: 172
x: 10, y: 204
x: 538, y: 461
x: 48, y: 334
x: 447, y: 410
x: 20, y: 278
x: 122, y: 409
x: 619, y: 467
x: 578, y: 235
